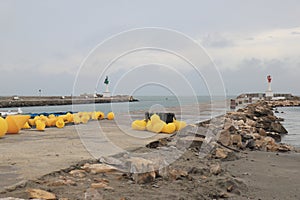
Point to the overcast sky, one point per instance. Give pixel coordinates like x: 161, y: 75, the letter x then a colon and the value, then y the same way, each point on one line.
x: 44, y: 43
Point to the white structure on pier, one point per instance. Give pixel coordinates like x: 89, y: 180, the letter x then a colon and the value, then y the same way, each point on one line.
x: 106, y: 93
x: 269, y: 92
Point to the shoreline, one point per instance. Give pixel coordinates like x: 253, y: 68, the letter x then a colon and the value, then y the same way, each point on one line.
x: 29, y: 101
x: 247, y: 167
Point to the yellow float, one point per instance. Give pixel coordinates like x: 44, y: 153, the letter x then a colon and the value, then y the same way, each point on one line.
x: 139, y: 125
x: 31, y: 122
x: 16, y: 122
x: 155, y: 118
x: 26, y: 126
x: 156, y: 125
x: 85, y: 118
x: 110, y: 116
x: 169, y: 128
x: 149, y: 125
x: 179, y: 125
x: 51, y: 116
x: 3, y: 127
x: 76, y: 119
x: 60, y: 123
x: 40, y: 125
x: 69, y: 117
x: 51, y: 122
x: 101, y: 115
x: 95, y: 115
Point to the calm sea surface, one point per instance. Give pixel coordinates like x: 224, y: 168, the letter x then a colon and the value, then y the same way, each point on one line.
x: 147, y: 103
x: 291, y: 122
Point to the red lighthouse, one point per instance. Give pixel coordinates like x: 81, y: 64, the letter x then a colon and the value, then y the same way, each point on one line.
x: 269, y: 78
x: 269, y: 93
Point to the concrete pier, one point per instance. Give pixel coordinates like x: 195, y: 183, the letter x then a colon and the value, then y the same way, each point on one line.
x: 25, y: 101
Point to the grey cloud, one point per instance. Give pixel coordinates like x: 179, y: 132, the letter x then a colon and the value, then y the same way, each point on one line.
x: 216, y: 40
x: 37, y: 35
x: 295, y: 33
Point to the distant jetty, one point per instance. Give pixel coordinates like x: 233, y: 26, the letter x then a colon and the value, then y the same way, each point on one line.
x: 26, y: 101
x: 278, y: 99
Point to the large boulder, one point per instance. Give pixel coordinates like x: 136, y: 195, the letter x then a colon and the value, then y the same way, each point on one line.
x: 225, y: 138
x: 278, y: 128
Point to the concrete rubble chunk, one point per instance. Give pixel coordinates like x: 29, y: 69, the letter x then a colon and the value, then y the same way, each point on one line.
x: 278, y: 128
x: 250, y: 122
x: 177, y: 173
x: 285, y: 148
x: 269, y: 141
x: 40, y: 194
x: 215, y: 169
x: 236, y: 140
x: 142, y: 170
x: 62, y: 182
x: 92, y: 194
x: 98, y: 168
x: 256, y: 136
x: 225, y: 138
x: 262, y: 132
x: 101, y: 185
x: 78, y: 173
x: 143, y: 178
x: 140, y: 165
x: 221, y: 153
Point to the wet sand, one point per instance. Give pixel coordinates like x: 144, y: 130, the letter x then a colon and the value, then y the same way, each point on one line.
x: 268, y: 175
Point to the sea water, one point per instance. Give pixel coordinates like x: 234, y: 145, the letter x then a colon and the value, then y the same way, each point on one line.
x: 145, y: 103
x: 291, y: 116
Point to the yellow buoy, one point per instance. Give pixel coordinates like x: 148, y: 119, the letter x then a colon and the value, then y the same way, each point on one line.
x: 31, y: 122
x: 60, y: 123
x: 179, y: 125
x: 69, y: 117
x: 110, y: 116
x: 80, y: 114
x: 43, y: 118
x: 16, y: 122
x: 101, y: 115
x: 40, y: 125
x: 169, y: 128
x: 3, y: 127
x: 155, y: 118
x: 149, y: 125
x: 95, y: 115
x: 36, y: 118
x: 51, y: 116
x: 64, y: 117
x: 51, y: 122
x: 76, y: 119
x: 85, y: 118
x: 26, y: 126
x: 158, y: 126
x: 139, y: 125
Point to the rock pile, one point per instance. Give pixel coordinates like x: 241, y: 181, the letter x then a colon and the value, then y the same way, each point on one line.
x: 284, y: 103
x: 254, y: 127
